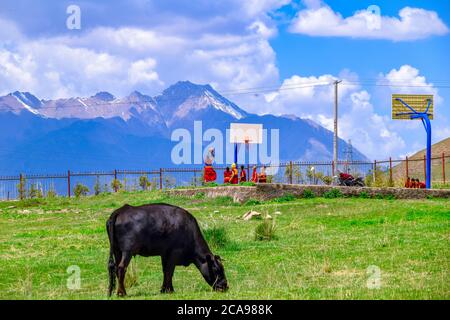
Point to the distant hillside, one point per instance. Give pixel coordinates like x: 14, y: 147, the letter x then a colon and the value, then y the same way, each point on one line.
x: 416, y: 168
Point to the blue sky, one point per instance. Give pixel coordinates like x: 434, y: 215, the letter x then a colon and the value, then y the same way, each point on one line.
x: 281, y: 45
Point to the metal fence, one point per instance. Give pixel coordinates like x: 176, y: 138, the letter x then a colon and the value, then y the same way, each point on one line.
x: 387, y: 173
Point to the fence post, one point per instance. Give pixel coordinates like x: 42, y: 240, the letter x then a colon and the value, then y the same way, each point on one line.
x: 248, y: 172
x: 160, y: 178
x: 443, y: 167
x: 332, y: 168
x: 424, y: 167
x: 374, y: 170
x: 407, y: 168
x: 290, y: 172
x: 21, y: 187
x: 115, y: 180
x: 390, y: 171
x: 195, y: 177
x: 68, y: 183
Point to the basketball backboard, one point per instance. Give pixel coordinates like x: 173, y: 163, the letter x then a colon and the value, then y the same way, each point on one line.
x: 246, y: 133
x: 419, y: 102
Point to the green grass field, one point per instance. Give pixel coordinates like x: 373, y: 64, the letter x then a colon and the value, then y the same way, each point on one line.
x: 322, y: 250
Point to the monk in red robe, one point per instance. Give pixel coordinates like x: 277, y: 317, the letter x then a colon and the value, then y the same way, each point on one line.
x: 262, y: 176
x: 226, y: 175
x: 234, y: 179
x: 408, y: 183
x: 242, y: 175
x: 254, y: 175
x: 209, y: 173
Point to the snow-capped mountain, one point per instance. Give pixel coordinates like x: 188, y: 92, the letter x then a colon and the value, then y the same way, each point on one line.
x: 103, y: 131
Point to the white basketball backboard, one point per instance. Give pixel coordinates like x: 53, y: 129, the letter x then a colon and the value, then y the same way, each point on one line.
x: 246, y: 133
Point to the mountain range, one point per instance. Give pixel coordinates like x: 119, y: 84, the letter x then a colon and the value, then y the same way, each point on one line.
x: 103, y: 132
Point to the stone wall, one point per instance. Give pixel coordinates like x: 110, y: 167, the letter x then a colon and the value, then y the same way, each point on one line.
x: 269, y: 191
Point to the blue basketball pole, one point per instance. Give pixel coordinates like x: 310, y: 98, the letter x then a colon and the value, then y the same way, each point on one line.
x: 235, y: 153
x: 427, y: 125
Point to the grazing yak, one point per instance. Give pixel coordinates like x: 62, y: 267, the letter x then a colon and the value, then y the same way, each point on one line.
x: 160, y: 230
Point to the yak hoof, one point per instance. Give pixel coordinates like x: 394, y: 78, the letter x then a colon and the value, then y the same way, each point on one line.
x: 167, y: 290
x: 121, y: 293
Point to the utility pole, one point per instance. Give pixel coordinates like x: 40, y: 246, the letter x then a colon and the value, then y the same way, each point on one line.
x: 335, y: 138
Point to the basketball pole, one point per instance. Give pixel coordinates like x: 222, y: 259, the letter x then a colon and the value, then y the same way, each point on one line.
x: 427, y: 125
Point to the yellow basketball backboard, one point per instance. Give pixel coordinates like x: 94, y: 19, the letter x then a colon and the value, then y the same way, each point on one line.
x: 419, y: 102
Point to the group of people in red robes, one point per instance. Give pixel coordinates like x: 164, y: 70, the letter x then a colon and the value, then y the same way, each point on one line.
x: 233, y: 176
x: 414, y: 183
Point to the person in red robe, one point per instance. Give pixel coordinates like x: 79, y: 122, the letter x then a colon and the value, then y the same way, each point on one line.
x: 209, y: 173
x: 262, y: 176
x: 226, y: 175
x: 234, y: 179
x: 254, y: 175
x: 242, y: 175
x: 422, y: 185
x: 408, y: 183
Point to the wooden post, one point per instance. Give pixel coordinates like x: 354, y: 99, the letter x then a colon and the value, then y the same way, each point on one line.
x: 443, y: 166
x: 407, y: 169
x: 68, y: 183
x: 290, y: 172
x: 424, y: 167
x: 160, y: 178
x: 390, y: 171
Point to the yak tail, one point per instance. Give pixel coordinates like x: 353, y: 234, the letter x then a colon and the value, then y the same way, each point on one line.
x: 111, y: 263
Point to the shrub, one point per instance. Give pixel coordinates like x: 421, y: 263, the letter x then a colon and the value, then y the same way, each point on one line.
x: 216, y: 237
x: 97, y: 187
x: 21, y: 189
x: 265, y: 230
x: 308, y: 194
x: 247, y: 183
x: 285, y: 198
x: 224, y: 200
x: 210, y: 184
x: 144, y: 183
x: 80, y: 190
x: 364, y: 195
x: 252, y: 202
x: 199, y: 195
x: 389, y: 196
x: 327, y: 180
x: 333, y: 193
x: 35, y: 192
x: 51, y: 193
x: 116, y: 185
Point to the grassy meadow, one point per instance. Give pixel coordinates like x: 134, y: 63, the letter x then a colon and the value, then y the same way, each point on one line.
x: 321, y: 249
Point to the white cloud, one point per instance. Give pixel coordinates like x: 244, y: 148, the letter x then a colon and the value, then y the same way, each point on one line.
x: 411, y: 24
x: 123, y: 59
x: 364, y: 117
